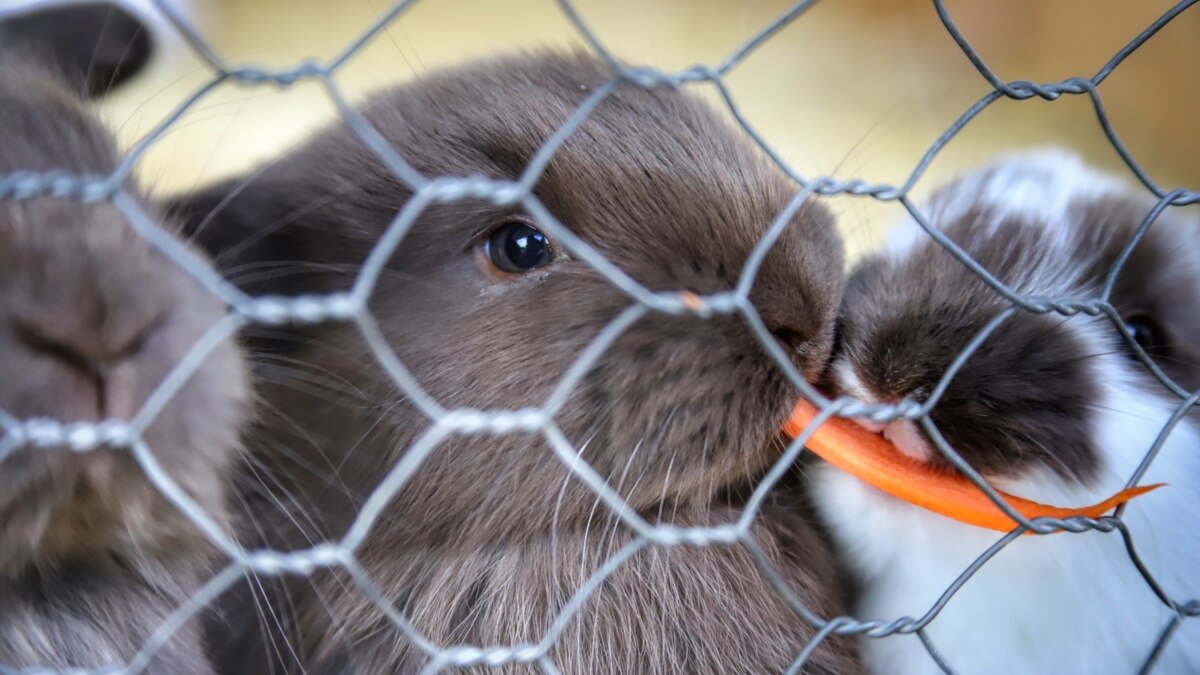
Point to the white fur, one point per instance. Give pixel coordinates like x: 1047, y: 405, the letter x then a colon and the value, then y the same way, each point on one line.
x: 1037, y: 186
x: 1063, y: 603
x: 850, y: 382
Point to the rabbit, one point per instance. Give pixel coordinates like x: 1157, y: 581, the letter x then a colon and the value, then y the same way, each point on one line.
x: 491, y: 537
x: 95, y: 47
x: 1051, y: 408
x: 93, y: 558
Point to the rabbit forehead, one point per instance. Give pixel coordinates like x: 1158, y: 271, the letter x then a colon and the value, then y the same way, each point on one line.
x: 1039, y: 186
x: 651, y: 167
x: 1042, y: 222
x: 45, y: 128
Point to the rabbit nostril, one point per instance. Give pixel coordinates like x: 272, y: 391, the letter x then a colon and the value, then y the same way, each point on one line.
x: 86, y: 355
x: 35, y: 341
x: 95, y: 369
x: 138, y: 342
x: 790, y: 337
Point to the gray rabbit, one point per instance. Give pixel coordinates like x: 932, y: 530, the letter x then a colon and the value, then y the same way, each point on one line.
x: 93, y: 559
x: 491, y: 537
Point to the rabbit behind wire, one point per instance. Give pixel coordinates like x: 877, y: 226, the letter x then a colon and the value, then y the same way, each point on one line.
x: 1051, y: 408
x: 93, y: 47
x: 492, y: 536
x: 93, y: 558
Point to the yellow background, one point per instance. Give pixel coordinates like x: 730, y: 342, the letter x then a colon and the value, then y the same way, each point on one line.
x: 854, y: 88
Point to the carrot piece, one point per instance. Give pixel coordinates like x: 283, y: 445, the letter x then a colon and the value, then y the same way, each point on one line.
x: 873, y: 460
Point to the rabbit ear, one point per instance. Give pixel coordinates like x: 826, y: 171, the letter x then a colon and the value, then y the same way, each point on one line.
x: 95, y: 46
x: 259, y: 235
x: 265, y: 237
x: 298, y: 225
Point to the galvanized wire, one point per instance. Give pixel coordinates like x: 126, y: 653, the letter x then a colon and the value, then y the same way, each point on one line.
x: 352, y: 307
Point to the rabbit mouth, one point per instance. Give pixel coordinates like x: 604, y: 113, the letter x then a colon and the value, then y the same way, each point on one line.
x: 906, y: 437
x: 56, y: 501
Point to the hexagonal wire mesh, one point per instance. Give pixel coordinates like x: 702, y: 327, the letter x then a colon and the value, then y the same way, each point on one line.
x: 351, y: 306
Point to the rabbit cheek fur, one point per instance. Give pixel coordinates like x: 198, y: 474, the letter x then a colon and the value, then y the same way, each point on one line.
x: 93, y: 558
x: 1051, y: 409
x: 491, y: 536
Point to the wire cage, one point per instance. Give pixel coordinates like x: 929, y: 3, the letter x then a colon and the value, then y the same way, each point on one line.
x: 352, y: 307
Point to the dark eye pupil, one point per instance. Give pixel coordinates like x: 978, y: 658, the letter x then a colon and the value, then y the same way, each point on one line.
x: 518, y: 247
x: 1145, y: 332
x: 526, y: 247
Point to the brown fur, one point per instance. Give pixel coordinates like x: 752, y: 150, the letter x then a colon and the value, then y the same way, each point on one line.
x: 491, y: 535
x: 92, y: 557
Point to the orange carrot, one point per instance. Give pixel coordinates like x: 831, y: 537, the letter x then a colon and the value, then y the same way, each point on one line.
x: 873, y: 460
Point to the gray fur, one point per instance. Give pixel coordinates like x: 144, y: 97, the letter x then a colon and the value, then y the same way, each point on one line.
x: 491, y: 535
x: 93, y: 558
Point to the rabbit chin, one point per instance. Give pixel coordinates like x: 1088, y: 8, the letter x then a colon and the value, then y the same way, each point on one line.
x: 1063, y: 603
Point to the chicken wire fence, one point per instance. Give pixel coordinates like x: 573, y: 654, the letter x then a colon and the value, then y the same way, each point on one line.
x: 351, y: 306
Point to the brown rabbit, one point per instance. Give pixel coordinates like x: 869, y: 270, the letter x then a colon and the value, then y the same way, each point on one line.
x: 93, y: 558
x: 490, y: 538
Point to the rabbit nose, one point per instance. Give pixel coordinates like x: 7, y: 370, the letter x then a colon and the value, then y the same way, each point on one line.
x: 790, y: 337
x: 88, y: 356
x: 783, y: 314
x: 796, y: 339
x: 785, y: 327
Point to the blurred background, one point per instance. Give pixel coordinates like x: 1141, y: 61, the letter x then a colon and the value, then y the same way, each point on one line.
x: 853, y: 88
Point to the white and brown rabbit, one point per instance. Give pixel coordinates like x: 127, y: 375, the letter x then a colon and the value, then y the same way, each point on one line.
x: 1050, y: 408
x: 93, y: 558
x: 490, y: 538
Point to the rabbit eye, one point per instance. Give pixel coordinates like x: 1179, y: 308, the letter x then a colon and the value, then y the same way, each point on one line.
x: 1146, y: 332
x: 517, y: 247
